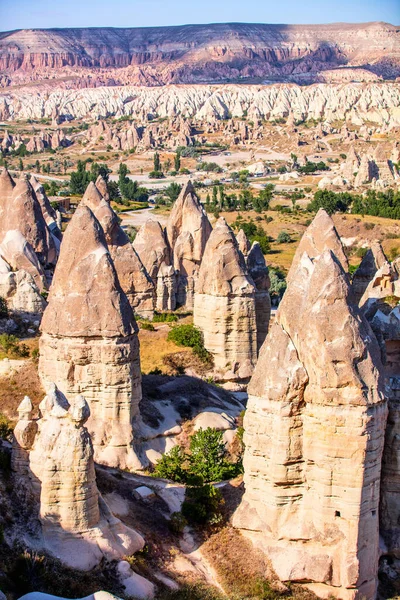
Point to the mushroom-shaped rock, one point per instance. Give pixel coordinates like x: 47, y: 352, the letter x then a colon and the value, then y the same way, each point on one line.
x: 55, y: 467
x: 314, y: 435
x: 224, y: 308
x: 320, y: 235
x: 132, y: 275
x: 188, y: 230
x: 258, y: 271
x: 89, y: 340
x: 151, y: 245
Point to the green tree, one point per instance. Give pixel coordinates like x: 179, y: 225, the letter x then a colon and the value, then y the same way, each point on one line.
x: 157, y: 162
x: 177, y: 161
x: 21, y: 165
x: 208, y: 456
x: 171, y: 465
x: 173, y: 191
x: 79, y: 179
x: 37, y: 166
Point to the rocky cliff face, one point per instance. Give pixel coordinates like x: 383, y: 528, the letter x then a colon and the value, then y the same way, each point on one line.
x: 370, y: 102
x: 314, y: 433
x: 197, y: 53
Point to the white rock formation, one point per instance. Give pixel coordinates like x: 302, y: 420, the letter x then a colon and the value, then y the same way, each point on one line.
x: 53, y: 462
x: 89, y: 341
x: 225, y: 305
x: 188, y: 230
x: 314, y: 434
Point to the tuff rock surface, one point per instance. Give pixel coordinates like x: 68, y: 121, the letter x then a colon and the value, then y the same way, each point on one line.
x: 89, y: 341
x: 132, y: 275
x: 373, y: 260
x: 53, y: 466
x: 225, y: 305
x: 376, y: 103
x: 152, y: 247
x: 380, y: 304
x: 258, y: 272
x: 188, y: 230
x: 314, y: 432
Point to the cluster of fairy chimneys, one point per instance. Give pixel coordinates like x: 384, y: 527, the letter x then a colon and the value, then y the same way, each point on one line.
x: 379, y: 169
x: 175, y: 133
x: 36, y: 143
x: 322, y: 425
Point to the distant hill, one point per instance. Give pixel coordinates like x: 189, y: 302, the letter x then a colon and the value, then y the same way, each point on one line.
x: 200, y: 53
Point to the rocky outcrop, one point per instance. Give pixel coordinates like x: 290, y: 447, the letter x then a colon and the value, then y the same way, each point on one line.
x: 25, y: 240
x: 318, y: 237
x: 258, y: 272
x: 314, y: 434
x: 222, y: 51
x: 53, y: 464
x: 22, y: 212
x: 243, y: 243
x: 225, y: 306
x: 357, y: 103
x: 152, y: 247
x: 132, y: 275
x: 188, y: 230
x: 380, y: 305
x: 89, y: 341
x: 373, y: 260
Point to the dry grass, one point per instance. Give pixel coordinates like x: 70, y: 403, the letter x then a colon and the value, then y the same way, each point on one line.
x: 244, y: 572
x: 24, y: 382
x: 154, y: 347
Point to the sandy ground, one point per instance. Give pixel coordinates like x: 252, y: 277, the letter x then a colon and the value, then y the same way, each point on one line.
x: 137, y: 218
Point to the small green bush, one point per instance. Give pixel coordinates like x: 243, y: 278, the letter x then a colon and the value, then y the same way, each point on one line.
x: 207, y: 458
x: 368, y: 226
x: 177, y: 522
x: 202, y: 505
x: 164, y: 318
x: 147, y: 326
x: 6, y: 428
x: 361, y: 252
x: 190, y: 337
x: 171, y: 465
x: 283, y: 237
x: 12, y: 346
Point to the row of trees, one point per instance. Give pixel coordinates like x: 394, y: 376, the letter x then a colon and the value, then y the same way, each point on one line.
x: 377, y: 204
x: 246, y: 200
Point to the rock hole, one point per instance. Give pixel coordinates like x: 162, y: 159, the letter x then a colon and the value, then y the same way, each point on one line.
x: 337, y: 513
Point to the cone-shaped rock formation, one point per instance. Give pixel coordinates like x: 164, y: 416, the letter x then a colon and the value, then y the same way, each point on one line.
x: 224, y: 308
x: 132, y: 275
x: 89, y: 341
x: 152, y: 247
x: 314, y: 433
x: 319, y: 236
x: 243, y: 242
x: 188, y: 230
